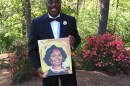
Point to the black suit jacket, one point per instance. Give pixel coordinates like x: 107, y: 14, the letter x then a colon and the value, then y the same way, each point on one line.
x: 41, y: 29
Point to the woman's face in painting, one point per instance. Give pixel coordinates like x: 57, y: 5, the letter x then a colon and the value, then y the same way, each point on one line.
x: 56, y: 57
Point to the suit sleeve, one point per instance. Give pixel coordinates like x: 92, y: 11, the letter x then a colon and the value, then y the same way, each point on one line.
x: 33, y: 45
x: 74, y: 32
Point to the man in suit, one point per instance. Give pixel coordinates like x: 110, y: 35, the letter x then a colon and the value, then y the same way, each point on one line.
x: 52, y: 25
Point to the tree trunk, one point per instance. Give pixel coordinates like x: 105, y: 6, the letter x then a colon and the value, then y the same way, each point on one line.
x: 23, y: 21
x: 27, y: 16
x: 117, y: 4
x: 78, y: 7
x: 104, y: 10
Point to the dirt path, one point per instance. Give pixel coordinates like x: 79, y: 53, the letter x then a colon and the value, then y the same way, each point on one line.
x: 84, y: 78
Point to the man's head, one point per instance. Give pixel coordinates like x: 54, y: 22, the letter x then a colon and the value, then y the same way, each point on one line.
x: 53, y: 7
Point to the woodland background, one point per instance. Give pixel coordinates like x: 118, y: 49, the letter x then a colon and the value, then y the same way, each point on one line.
x: 93, y: 16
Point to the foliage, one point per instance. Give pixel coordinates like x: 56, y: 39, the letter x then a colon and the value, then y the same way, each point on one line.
x: 106, y: 53
x: 38, y: 8
x: 11, y: 16
x: 119, y: 22
x: 20, y: 64
x: 87, y: 20
x: 10, y: 24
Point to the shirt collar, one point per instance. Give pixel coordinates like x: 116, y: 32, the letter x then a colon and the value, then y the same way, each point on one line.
x: 53, y: 17
x: 57, y: 70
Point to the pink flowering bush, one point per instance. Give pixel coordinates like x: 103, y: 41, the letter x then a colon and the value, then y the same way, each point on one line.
x: 106, y: 53
x: 20, y: 64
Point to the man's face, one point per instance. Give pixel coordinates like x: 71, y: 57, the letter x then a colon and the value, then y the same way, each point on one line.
x: 53, y: 7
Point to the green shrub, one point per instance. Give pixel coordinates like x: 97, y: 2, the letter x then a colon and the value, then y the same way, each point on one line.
x: 5, y: 41
x: 21, y: 67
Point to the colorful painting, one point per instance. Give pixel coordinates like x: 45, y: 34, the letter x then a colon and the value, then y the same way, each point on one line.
x: 55, y: 56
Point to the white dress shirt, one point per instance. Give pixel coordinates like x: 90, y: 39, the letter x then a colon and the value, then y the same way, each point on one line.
x: 55, y: 25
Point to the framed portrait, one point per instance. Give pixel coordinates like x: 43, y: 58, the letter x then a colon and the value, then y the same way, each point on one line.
x: 55, y: 56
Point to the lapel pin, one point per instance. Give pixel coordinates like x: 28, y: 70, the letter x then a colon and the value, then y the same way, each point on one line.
x: 64, y: 22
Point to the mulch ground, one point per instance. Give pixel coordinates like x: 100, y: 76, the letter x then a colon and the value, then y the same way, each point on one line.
x: 84, y: 78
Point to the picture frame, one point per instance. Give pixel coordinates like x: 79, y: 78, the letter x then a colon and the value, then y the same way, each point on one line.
x: 55, y: 56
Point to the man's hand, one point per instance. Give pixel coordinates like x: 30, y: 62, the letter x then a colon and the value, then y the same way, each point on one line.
x: 72, y: 40
x: 41, y: 73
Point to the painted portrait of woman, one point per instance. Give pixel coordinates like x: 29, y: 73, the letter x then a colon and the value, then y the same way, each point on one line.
x: 54, y: 57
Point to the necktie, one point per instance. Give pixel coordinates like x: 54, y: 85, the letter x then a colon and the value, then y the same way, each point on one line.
x: 56, y: 19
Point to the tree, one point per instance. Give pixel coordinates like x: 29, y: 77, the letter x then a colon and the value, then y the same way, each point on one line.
x: 27, y: 15
x: 104, y: 10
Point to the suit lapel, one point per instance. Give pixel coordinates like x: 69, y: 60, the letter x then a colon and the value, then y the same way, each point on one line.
x: 48, y: 27
x: 62, y: 26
